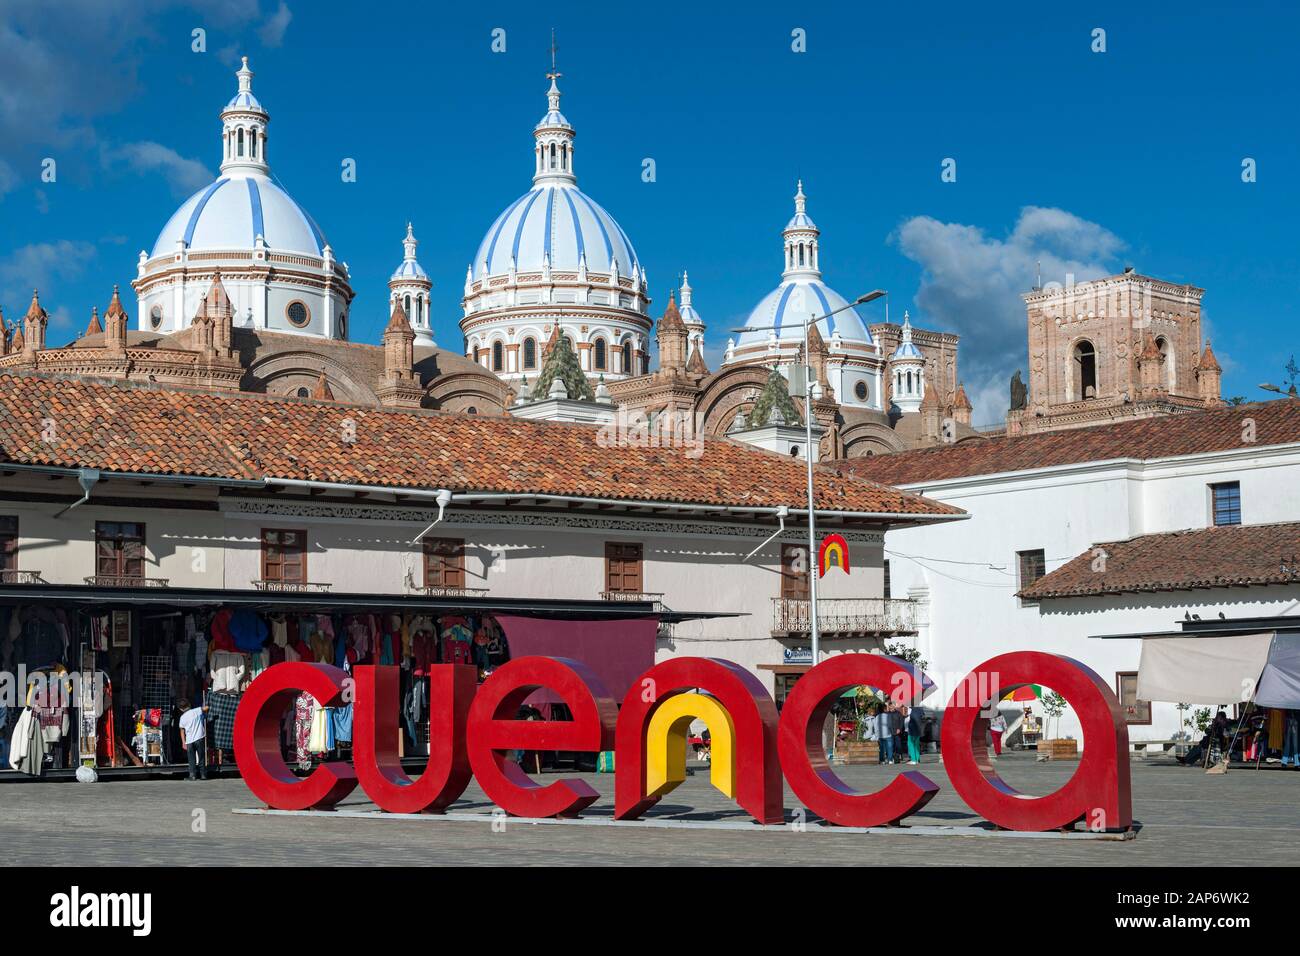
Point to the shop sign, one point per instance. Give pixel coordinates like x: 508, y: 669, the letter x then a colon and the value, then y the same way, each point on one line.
x: 798, y: 655
x: 473, y: 729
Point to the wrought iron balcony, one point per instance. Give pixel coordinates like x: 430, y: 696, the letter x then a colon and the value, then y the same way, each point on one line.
x: 294, y: 586
x: 639, y: 597
x: 434, y: 590
x: 844, y: 616
x: 14, y: 576
x: 125, y: 581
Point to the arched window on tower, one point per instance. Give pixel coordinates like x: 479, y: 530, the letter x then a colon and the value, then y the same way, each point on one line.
x: 552, y: 156
x: 406, y: 306
x: 530, y: 353
x: 420, y: 317
x: 497, y: 356
x: 241, y: 142
x: 627, y: 358
x: 599, y: 350
x: 909, y: 382
x: 1085, y: 371
x: 1162, y: 344
x: 801, y: 253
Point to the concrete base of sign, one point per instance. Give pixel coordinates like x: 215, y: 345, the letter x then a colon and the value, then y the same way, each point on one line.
x: 499, y: 819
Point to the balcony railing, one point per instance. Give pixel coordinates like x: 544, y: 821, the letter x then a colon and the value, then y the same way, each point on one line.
x: 639, y: 597
x: 844, y: 616
x: 125, y: 581
x: 297, y: 587
x: 14, y: 576
x: 434, y: 590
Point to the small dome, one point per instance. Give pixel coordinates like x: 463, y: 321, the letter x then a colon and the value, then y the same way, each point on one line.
x: 559, y: 223
x: 245, y: 100
x: 409, y: 268
x: 796, y: 301
x: 233, y: 211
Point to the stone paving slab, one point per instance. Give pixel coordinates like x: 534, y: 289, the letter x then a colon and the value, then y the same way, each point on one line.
x: 1187, y: 818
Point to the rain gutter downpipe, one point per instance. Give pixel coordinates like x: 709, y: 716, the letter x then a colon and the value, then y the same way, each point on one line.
x: 87, y: 478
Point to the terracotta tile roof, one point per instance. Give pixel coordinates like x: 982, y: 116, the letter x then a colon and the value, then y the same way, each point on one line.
x: 115, y: 427
x: 1231, y: 556
x: 1220, y: 429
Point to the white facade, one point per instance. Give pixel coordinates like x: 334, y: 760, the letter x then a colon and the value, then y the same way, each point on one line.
x: 966, y: 573
x: 274, y: 261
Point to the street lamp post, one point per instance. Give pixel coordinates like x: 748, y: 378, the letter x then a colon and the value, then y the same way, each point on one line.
x: 814, y: 625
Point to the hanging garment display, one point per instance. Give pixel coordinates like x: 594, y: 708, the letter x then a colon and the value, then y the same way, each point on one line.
x: 304, y: 708
x: 228, y: 671
x: 221, y: 710
x: 27, y: 746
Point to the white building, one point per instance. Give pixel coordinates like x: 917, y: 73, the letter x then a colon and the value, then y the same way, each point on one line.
x: 1089, y: 517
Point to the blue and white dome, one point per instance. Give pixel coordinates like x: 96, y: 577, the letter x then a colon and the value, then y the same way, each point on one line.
x: 796, y: 301
x: 802, y: 295
x: 244, y: 218
x: 907, y: 349
x: 236, y: 209
x: 559, y: 225
x: 409, y: 268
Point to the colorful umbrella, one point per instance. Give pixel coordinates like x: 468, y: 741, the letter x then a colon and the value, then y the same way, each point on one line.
x: 1025, y: 692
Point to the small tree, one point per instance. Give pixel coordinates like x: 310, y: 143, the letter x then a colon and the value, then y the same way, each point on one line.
x: 910, y: 654
x: 1054, y: 706
x: 775, y: 395
x: 562, y: 362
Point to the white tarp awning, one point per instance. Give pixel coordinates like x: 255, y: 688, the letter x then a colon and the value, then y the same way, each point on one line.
x: 1202, y: 670
x: 1280, y: 685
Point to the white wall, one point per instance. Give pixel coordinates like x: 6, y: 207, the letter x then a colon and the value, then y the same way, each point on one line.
x: 969, y: 568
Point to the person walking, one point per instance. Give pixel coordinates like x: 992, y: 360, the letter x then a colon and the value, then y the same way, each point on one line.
x: 915, y: 727
x: 194, y: 734
x: 884, y: 728
x: 997, y: 727
x: 898, y: 715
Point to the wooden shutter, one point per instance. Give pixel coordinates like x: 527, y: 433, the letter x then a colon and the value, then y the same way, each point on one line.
x: 444, y: 562
x: 794, y: 582
x: 622, y: 567
x: 119, y: 549
x: 8, y: 543
x: 284, y: 555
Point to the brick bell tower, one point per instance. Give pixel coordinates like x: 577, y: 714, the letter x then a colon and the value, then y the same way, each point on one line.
x: 1126, y: 346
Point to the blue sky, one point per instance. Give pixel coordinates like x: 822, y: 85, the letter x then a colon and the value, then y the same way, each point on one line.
x: 1131, y: 156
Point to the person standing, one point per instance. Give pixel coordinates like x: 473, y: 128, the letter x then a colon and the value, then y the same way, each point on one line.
x: 885, y: 733
x: 1291, y: 739
x: 997, y: 727
x: 194, y: 737
x: 915, y: 727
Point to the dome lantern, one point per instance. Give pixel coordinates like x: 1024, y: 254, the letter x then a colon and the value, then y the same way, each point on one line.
x: 243, y: 128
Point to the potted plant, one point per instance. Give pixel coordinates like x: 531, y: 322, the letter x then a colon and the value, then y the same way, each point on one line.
x: 1058, y: 748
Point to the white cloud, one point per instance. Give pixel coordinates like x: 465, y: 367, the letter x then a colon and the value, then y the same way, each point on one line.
x: 185, y: 176
x: 272, y: 31
x: 971, y: 284
x: 41, y: 265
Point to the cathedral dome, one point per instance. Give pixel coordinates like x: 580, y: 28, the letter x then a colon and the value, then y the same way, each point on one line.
x: 802, y: 295
x: 233, y: 211
x: 277, y: 268
x: 556, y: 224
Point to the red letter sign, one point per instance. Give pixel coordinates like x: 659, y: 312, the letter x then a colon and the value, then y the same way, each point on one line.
x: 257, y: 738
x: 493, y: 729
x: 1098, y: 793
x: 758, y: 775
x: 374, y: 747
x: 803, y: 756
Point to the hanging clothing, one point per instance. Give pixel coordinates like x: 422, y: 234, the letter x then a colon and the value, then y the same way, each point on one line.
x: 221, y: 709
x: 27, y: 746
x: 228, y: 671
x: 304, y: 707
x: 342, y: 718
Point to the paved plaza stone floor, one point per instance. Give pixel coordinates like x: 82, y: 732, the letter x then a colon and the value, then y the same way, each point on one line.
x: 1187, y: 818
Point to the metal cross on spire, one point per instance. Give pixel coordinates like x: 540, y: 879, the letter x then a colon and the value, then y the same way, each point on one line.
x: 554, y: 74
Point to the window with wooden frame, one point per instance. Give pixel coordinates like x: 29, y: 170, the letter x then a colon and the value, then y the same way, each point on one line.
x: 1030, y: 566
x: 794, y: 572
x: 119, y: 549
x: 623, y: 567
x: 1135, y: 710
x: 444, y: 562
x: 284, y: 555
x: 8, y: 543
